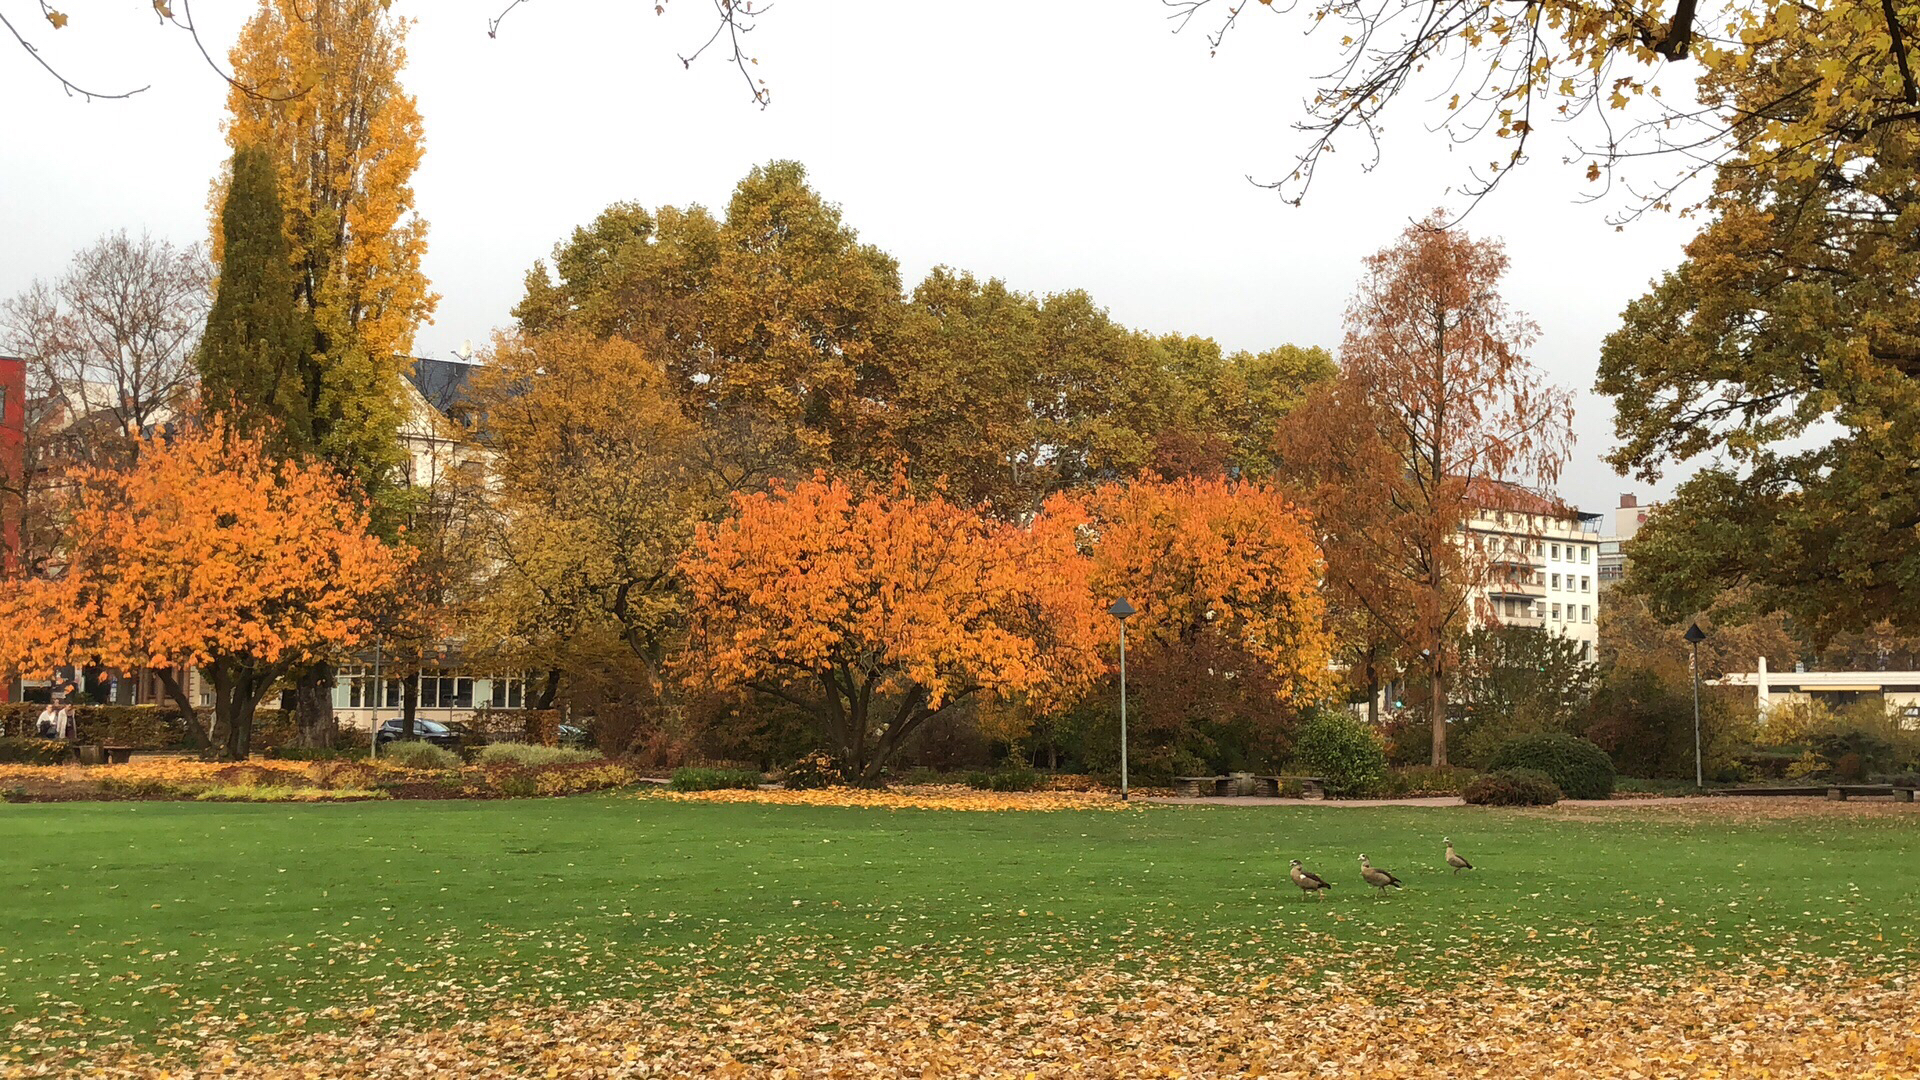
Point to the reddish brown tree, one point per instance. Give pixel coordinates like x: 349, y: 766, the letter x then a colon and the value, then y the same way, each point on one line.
x: 1436, y: 414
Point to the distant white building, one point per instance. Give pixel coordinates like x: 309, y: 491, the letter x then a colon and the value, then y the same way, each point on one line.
x: 1627, y: 519
x: 1542, y: 565
x: 1895, y: 691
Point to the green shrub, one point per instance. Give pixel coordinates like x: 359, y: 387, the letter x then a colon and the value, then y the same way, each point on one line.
x: 1343, y: 750
x: 692, y: 779
x: 316, y: 753
x: 518, y: 784
x: 1016, y: 779
x: 818, y: 769
x: 1427, y: 780
x: 533, y: 755
x: 1580, y: 769
x: 419, y: 755
x: 35, y: 752
x: 1513, y: 787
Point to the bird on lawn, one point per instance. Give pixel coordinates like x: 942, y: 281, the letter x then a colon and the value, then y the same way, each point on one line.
x: 1308, y: 881
x: 1454, y: 860
x: 1377, y: 877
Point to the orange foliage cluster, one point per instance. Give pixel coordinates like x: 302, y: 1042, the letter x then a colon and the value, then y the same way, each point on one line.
x: 1232, y: 560
x: 918, y: 590
x: 205, y: 550
x: 926, y: 798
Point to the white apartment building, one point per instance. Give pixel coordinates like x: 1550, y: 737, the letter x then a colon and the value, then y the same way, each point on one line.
x: 1542, y: 566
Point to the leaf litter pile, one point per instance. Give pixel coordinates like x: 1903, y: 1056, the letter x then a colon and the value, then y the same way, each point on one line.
x: 1095, y: 1022
x: 1296, y: 988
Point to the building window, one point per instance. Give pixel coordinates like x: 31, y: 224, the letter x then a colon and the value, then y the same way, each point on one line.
x: 1586, y: 553
x: 1586, y: 613
x: 446, y: 691
x: 1556, y: 581
x: 509, y: 692
x: 1586, y: 583
x: 1586, y: 650
x: 1556, y: 612
x: 1556, y: 551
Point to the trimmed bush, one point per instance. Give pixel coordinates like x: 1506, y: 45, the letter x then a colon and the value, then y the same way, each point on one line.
x: 693, y: 779
x: 818, y: 769
x: 1427, y: 780
x: 419, y: 755
x: 316, y: 753
x: 1341, y: 748
x: 1004, y: 780
x: 1513, y: 787
x: 35, y: 752
x: 1580, y: 769
x: 532, y: 754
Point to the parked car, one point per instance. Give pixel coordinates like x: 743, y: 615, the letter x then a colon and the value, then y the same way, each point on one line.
x: 432, y: 731
x: 574, y: 736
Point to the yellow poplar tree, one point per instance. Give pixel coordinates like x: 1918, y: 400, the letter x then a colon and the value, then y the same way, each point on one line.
x: 317, y: 86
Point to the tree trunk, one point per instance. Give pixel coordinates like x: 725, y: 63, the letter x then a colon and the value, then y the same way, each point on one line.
x: 175, y: 687
x: 1373, y: 693
x: 409, y: 705
x: 548, y: 690
x: 313, y: 706
x: 1439, y: 686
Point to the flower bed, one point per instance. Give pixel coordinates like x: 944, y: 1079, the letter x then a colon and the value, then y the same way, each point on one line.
x: 302, y: 781
x: 912, y: 798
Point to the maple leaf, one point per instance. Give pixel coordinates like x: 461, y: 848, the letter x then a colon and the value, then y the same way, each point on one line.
x: 58, y: 19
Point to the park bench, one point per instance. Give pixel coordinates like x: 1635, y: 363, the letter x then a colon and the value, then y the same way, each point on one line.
x: 109, y: 754
x: 1836, y: 792
x: 1311, y: 787
x: 1203, y: 787
x: 1199, y: 787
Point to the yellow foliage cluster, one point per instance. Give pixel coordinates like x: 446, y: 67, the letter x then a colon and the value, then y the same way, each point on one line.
x: 931, y: 798
x: 575, y: 781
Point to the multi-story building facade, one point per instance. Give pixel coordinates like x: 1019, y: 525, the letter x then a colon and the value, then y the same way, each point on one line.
x: 1541, y: 564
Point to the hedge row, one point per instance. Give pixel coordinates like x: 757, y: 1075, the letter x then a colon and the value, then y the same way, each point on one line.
x: 143, y: 727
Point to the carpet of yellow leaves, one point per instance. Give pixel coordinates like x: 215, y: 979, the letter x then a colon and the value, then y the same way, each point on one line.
x: 930, y: 797
x: 1046, y: 1022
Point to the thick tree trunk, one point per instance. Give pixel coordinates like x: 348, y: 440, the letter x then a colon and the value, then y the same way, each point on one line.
x: 409, y: 705
x: 1373, y: 692
x: 313, y: 706
x: 549, y: 689
x: 197, y: 739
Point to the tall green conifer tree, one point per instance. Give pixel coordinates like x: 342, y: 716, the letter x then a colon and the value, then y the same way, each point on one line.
x: 256, y: 358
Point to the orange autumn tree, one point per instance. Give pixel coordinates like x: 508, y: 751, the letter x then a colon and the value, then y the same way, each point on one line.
x: 1232, y: 629
x: 206, y: 554
x: 875, y: 611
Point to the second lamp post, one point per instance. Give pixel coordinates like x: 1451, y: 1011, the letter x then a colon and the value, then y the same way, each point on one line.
x: 1120, y: 610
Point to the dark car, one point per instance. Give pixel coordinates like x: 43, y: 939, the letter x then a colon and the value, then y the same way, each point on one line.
x: 431, y: 731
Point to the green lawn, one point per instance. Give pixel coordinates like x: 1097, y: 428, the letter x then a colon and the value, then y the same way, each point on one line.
x: 145, y: 912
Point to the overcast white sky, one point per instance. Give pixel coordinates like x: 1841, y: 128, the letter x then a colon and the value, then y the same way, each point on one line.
x: 1051, y: 143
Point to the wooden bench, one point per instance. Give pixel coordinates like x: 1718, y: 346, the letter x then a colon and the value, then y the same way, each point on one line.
x: 1835, y: 792
x: 1841, y: 792
x: 1311, y: 787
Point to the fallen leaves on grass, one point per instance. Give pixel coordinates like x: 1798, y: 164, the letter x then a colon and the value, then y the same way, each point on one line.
x: 914, y: 798
x: 1029, y: 1021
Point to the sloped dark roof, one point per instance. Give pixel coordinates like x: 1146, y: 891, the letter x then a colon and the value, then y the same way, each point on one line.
x: 444, y: 384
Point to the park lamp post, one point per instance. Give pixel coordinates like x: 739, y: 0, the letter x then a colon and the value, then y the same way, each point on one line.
x: 1121, y: 610
x: 1695, y: 636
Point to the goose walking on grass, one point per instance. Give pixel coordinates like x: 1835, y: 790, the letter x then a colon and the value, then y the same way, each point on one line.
x: 1455, y: 860
x: 1376, y: 877
x: 1308, y: 881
